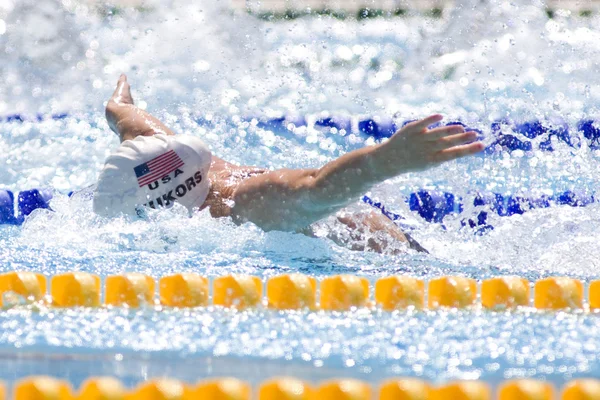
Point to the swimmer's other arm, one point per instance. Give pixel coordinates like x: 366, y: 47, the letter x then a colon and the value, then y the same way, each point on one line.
x: 293, y: 199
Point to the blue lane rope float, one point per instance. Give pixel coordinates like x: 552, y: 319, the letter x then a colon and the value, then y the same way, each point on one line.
x: 431, y: 205
x: 27, y: 202
x: 36, y: 118
x: 434, y: 206
x: 7, y: 208
x: 508, y: 135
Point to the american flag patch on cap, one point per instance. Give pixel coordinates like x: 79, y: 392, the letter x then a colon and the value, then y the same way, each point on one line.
x: 158, y: 167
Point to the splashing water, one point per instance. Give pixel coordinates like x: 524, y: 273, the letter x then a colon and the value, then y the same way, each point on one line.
x: 201, y: 61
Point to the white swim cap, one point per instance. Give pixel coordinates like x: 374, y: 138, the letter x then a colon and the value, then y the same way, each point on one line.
x: 153, y: 171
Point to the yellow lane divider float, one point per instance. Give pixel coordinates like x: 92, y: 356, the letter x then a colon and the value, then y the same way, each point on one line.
x: 397, y: 292
x: 342, y: 292
x: 285, y: 389
x: 103, y: 388
x: 26, y: 285
x: 525, y: 389
x: 292, y: 291
x: 452, y: 291
x: 505, y: 291
x: 184, y: 290
x: 75, y: 289
x: 237, y: 291
x: 405, y: 389
x: 467, y: 390
x: 295, y: 291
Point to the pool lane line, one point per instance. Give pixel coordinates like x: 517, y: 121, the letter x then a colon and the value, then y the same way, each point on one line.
x: 296, y: 291
x: 507, y: 135
x: 431, y: 205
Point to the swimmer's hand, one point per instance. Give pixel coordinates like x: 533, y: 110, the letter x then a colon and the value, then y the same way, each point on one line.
x: 415, y: 147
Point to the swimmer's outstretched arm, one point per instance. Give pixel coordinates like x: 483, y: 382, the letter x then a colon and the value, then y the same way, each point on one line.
x: 293, y: 199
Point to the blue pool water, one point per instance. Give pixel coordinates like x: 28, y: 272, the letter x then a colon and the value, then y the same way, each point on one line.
x: 201, y: 62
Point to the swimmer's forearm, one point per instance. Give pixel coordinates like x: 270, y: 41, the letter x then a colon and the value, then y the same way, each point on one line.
x: 342, y: 180
x: 292, y: 199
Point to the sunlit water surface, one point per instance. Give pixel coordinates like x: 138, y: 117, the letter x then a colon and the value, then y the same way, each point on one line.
x: 208, y: 71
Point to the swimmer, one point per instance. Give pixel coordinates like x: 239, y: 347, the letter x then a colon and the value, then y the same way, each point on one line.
x: 155, y: 168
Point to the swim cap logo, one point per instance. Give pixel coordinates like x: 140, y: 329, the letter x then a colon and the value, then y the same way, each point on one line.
x: 164, y: 179
x: 157, y: 168
x: 180, y: 191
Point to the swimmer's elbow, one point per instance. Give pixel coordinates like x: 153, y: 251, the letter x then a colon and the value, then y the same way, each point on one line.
x: 321, y: 196
x: 312, y: 201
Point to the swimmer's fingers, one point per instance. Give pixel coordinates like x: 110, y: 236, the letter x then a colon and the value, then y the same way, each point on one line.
x: 455, y: 140
x: 442, y: 132
x: 458, y: 152
x: 419, y: 126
